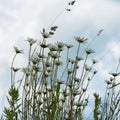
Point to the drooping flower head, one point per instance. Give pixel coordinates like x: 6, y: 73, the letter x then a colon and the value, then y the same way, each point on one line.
x: 18, y: 51
x: 81, y: 40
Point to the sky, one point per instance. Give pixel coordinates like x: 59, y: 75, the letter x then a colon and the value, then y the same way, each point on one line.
x: 20, y: 19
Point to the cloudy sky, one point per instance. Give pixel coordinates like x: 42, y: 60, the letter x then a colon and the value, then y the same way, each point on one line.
x: 20, y: 19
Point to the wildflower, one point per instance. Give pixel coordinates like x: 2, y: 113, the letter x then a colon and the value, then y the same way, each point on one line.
x: 49, y: 89
x: 39, y: 92
x: 41, y: 56
x: 69, y: 85
x: 79, y: 58
x: 53, y: 48
x: 69, y: 60
x: 31, y: 41
x: 77, y: 67
x: 46, y: 75
x: 72, y: 61
x: 58, y: 63
x: 86, y: 102
x: 44, y: 34
x: 79, y: 104
x: 54, y: 55
x: 53, y: 28
x: 89, y: 78
x: 84, y: 89
x: 48, y: 64
x: 68, y: 10
x: 69, y: 46
x: 87, y: 68
x: 60, y: 82
x: 89, y: 51
x: 46, y: 83
x: 15, y: 69
x: 60, y: 44
x: 76, y: 79
x: 75, y: 92
x: 44, y: 92
x: 114, y: 74
x: 111, y: 79
x: 26, y: 71
x: 27, y: 84
x: 94, y: 72
x: 36, y: 68
x: 17, y: 50
x: 81, y: 40
x: 108, y: 82
x: 35, y: 60
x: 69, y: 71
x: 39, y: 103
x: 44, y: 99
x: 71, y: 3
x: 48, y: 70
x: 51, y: 33
x: 94, y: 61
x: 63, y: 100
x: 43, y: 45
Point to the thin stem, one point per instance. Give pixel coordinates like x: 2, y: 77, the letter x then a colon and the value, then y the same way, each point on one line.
x: 66, y: 64
x: 83, y: 69
x: 12, y: 80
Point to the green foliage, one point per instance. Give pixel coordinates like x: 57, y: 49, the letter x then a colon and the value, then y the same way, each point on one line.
x: 97, y: 106
x: 12, y: 112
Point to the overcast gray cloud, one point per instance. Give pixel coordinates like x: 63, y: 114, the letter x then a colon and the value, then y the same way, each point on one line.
x: 20, y: 19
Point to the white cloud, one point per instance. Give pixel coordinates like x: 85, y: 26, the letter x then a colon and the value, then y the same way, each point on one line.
x: 98, y: 13
x: 114, y: 48
x: 110, y: 55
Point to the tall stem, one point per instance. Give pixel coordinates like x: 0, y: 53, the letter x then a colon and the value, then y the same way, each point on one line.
x: 12, y: 80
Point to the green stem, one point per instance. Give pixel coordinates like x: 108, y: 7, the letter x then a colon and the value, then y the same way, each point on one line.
x: 12, y: 80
